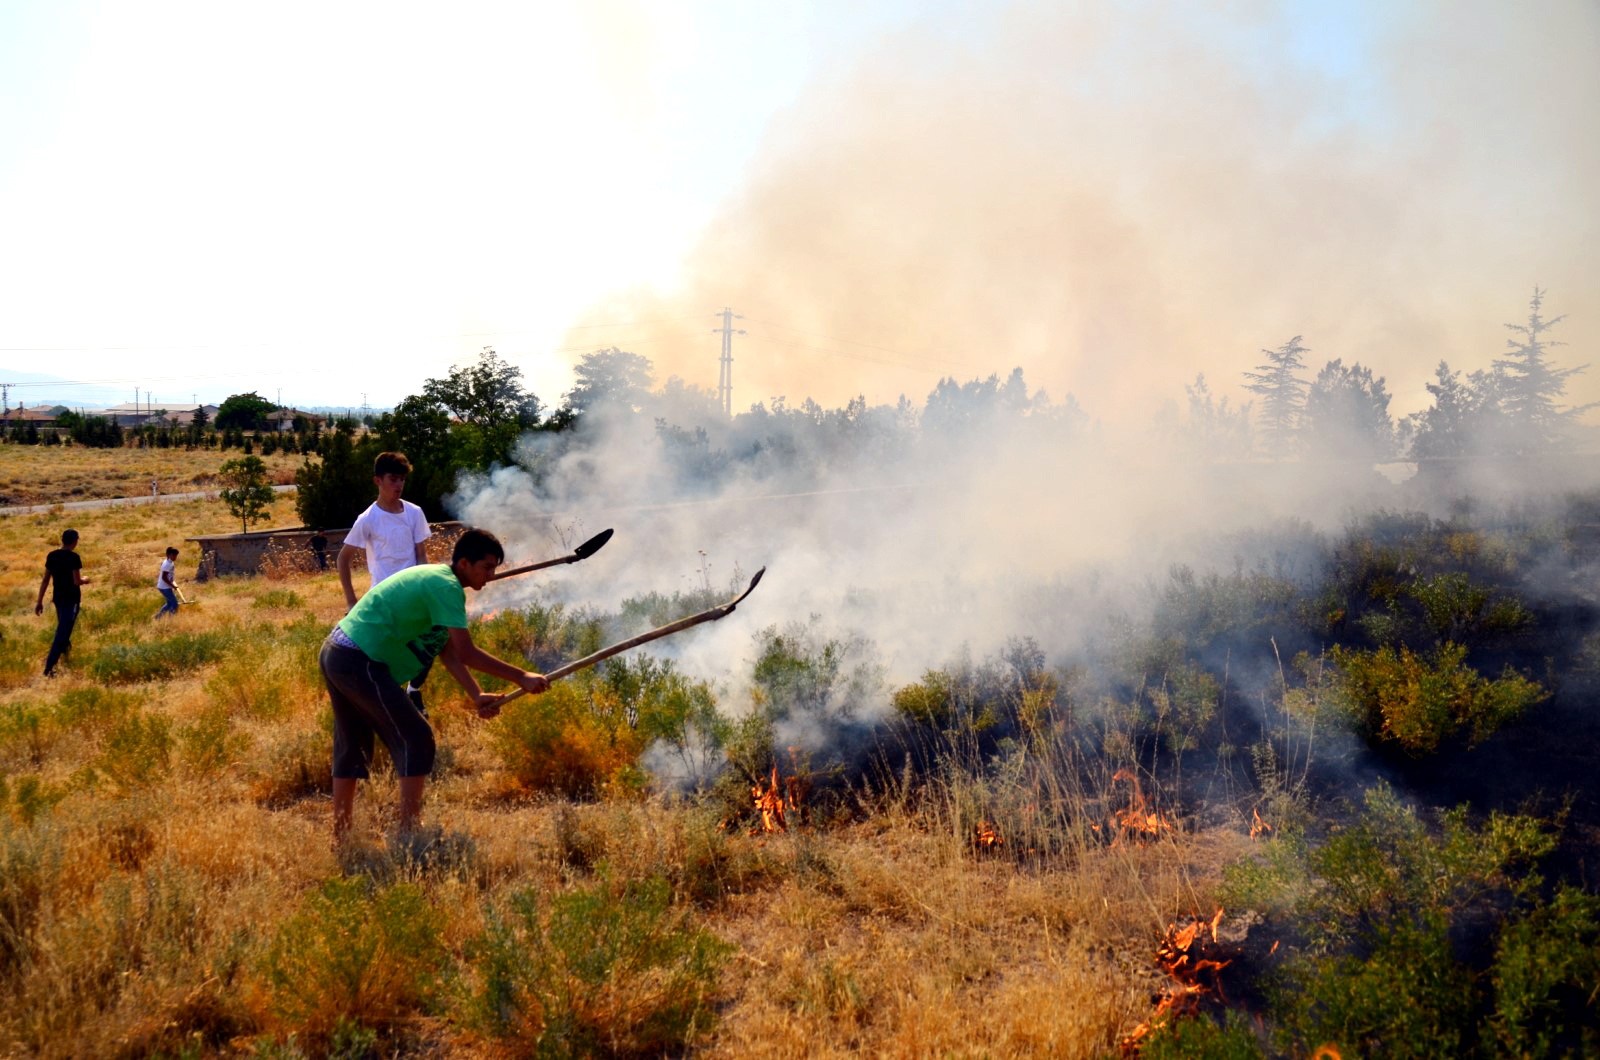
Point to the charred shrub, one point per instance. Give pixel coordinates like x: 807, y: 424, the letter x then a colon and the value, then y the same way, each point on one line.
x: 609, y: 970
x: 1416, y: 702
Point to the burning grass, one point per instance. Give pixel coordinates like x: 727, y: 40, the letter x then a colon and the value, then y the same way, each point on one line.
x: 1011, y: 858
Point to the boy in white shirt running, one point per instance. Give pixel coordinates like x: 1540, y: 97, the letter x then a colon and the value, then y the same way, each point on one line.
x: 168, y: 587
x: 392, y: 532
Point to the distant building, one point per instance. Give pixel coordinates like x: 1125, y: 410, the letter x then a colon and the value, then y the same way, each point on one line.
x: 283, y: 419
x: 153, y: 413
x: 22, y: 416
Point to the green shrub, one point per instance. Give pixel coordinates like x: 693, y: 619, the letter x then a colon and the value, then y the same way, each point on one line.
x: 1454, y: 606
x: 371, y: 956
x: 208, y: 744
x: 1547, y: 980
x: 609, y: 971
x: 92, y: 709
x: 1198, y: 1038
x: 1397, y: 696
x: 138, y: 751
x: 1375, y: 908
x: 29, y: 797
x: 573, y: 740
x: 158, y: 659
x: 287, y: 599
x: 22, y: 727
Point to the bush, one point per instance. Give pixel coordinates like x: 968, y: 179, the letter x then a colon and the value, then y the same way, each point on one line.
x: 138, y: 752
x: 1547, y: 979
x: 1378, y: 912
x: 370, y: 956
x: 152, y: 660
x: 573, y: 740
x: 1397, y: 696
x: 610, y: 970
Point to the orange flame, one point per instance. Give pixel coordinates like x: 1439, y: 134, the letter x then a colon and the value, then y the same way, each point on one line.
x: 770, y: 805
x: 1139, y: 820
x: 987, y: 838
x: 1258, y: 827
x: 1327, y: 1052
x: 1190, y: 954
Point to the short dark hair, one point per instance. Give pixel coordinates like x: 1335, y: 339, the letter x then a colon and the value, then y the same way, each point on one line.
x: 171, y: 551
x: 391, y: 464
x: 68, y: 536
x: 476, y: 544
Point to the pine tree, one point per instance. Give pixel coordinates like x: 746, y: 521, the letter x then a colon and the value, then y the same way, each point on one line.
x: 1531, y: 386
x: 1283, y: 395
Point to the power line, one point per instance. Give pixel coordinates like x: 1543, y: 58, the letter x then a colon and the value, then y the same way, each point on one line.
x: 293, y: 342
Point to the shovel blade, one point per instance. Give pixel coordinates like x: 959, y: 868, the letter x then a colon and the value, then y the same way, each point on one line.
x: 593, y: 545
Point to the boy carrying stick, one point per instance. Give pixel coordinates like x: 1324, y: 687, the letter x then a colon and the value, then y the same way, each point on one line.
x: 390, y: 635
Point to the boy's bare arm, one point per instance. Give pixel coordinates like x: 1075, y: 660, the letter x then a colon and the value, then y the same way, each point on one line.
x: 472, y: 655
x: 38, y: 607
x: 422, y: 552
x: 347, y: 556
x: 485, y: 702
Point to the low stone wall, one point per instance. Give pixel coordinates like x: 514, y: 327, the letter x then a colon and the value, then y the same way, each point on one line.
x: 245, y: 553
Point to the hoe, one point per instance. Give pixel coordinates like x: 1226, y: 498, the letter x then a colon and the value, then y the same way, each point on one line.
x: 708, y: 615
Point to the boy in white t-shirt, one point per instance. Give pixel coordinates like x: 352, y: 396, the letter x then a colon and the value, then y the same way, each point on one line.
x: 391, y: 532
x: 166, y: 585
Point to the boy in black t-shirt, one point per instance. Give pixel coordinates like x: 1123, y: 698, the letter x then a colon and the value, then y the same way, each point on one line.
x: 64, y: 567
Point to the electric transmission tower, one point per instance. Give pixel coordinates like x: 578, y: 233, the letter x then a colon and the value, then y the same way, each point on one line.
x: 725, y: 378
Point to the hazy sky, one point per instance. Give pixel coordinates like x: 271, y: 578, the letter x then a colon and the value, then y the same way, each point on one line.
x: 334, y: 200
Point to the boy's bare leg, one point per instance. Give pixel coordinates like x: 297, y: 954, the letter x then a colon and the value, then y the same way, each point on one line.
x: 411, y: 801
x: 344, y: 802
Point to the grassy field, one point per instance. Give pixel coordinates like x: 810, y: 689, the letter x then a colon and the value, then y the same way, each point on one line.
x: 168, y: 886
x: 39, y: 474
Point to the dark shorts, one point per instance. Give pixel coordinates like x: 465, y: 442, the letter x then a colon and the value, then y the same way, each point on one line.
x: 367, y: 702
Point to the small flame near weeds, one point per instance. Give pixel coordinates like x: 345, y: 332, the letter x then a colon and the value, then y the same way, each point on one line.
x: 1139, y: 821
x: 1259, y: 828
x: 776, y: 802
x: 1194, y: 957
x: 987, y: 838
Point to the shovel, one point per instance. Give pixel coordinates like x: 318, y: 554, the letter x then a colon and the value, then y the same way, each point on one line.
x: 583, y: 551
x: 708, y: 615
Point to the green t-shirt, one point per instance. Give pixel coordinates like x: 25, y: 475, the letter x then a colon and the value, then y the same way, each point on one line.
x: 405, y: 620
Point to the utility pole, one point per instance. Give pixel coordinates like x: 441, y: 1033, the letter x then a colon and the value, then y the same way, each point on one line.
x: 725, y: 378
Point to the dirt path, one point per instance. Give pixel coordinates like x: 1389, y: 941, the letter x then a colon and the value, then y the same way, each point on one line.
x: 108, y: 502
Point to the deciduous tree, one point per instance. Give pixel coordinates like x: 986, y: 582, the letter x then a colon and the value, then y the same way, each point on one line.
x: 246, y: 492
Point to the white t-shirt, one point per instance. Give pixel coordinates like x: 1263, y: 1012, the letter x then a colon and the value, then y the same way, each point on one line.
x: 389, y: 538
x: 161, y: 575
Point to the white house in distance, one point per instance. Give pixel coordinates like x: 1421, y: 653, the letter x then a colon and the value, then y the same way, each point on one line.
x: 153, y: 413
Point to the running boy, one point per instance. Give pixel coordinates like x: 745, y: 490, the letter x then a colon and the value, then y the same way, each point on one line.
x: 168, y: 587
x: 391, y: 634
x: 392, y: 532
x: 64, y: 567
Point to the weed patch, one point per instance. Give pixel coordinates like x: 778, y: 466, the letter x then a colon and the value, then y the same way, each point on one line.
x: 608, y: 970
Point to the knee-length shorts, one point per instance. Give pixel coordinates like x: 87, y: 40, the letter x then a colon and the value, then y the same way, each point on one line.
x: 368, y: 702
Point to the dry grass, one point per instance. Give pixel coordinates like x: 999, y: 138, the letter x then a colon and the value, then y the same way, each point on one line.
x: 40, y: 474
x: 140, y: 905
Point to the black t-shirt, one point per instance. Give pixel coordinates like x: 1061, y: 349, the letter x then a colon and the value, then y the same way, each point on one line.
x: 319, y: 543
x: 62, y: 563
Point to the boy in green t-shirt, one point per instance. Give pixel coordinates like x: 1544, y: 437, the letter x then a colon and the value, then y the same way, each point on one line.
x: 392, y: 634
